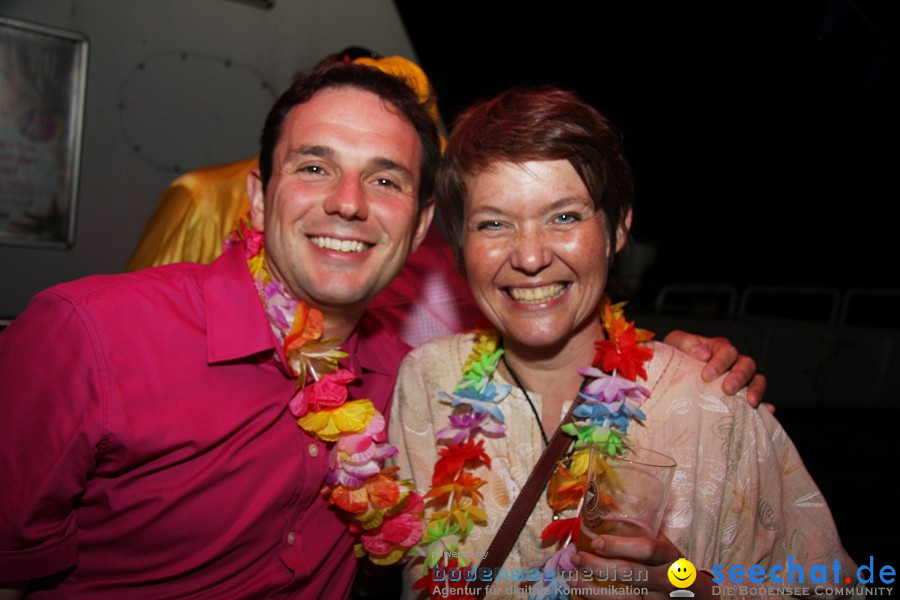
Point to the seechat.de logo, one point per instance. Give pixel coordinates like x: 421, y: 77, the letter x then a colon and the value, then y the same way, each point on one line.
x: 795, y: 579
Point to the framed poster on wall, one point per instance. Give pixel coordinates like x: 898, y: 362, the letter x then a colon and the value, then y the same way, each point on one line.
x: 42, y: 87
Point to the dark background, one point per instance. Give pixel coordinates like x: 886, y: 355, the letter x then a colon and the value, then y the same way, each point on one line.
x: 765, y: 137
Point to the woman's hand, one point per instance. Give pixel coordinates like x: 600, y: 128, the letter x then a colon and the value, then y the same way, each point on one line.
x: 637, y: 554
x: 720, y: 355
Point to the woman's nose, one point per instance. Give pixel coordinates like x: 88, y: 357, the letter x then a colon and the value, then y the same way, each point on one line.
x: 348, y: 200
x: 531, y: 254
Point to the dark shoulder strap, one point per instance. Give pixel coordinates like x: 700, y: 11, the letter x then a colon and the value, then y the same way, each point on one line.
x: 518, y: 514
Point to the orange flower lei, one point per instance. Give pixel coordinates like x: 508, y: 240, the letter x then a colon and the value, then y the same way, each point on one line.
x: 384, y: 512
x: 611, y: 400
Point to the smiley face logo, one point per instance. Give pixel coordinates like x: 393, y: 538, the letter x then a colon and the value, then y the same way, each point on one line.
x: 682, y: 573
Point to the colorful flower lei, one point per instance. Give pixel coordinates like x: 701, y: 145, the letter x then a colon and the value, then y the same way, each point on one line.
x: 611, y: 399
x: 384, y: 512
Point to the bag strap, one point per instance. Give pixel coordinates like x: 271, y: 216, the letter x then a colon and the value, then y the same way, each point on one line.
x: 518, y: 514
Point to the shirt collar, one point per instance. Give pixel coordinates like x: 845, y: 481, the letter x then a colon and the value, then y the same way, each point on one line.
x: 236, y: 324
x: 371, y: 347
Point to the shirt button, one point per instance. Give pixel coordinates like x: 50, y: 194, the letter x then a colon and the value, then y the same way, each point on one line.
x: 291, y: 539
x: 313, y: 450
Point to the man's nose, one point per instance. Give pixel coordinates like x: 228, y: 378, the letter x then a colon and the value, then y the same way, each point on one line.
x: 531, y: 252
x: 348, y: 200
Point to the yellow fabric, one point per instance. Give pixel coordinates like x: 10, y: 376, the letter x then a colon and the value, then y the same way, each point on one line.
x: 194, y: 216
x: 414, y: 77
x: 198, y: 211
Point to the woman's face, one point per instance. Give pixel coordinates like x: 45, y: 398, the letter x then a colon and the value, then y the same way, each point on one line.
x: 536, y: 250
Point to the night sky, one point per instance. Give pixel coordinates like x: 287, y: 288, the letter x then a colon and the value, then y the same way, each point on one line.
x: 765, y: 137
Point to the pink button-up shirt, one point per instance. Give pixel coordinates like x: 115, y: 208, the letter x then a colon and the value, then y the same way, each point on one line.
x: 146, y: 449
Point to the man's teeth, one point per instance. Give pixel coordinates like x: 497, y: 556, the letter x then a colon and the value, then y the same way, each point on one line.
x: 339, y: 245
x: 538, y: 294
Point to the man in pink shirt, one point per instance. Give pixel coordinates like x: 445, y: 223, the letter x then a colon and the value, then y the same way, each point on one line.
x: 148, y: 447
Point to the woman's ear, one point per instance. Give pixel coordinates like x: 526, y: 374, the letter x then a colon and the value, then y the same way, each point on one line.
x: 622, y: 232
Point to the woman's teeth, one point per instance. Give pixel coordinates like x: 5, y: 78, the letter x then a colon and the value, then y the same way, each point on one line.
x: 339, y: 245
x: 538, y: 294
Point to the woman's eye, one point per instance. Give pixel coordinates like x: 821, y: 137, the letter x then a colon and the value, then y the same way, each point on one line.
x: 489, y: 225
x: 567, y: 218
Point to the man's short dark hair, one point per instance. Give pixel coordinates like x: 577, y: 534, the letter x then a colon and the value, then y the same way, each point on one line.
x: 533, y: 124
x: 335, y: 74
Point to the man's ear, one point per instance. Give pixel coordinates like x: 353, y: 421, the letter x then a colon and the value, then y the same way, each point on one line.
x: 257, y: 199
x: 624, y: 228
x: 426, y: 214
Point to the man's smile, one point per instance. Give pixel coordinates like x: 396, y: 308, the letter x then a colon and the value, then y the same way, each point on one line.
x: 330, y: 243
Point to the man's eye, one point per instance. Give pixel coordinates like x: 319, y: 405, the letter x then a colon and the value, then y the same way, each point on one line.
x: 385, y: 182
x: 312, y: 169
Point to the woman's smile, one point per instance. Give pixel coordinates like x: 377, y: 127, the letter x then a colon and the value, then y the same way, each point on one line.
x: 536, y: 250
x: 537, y: 295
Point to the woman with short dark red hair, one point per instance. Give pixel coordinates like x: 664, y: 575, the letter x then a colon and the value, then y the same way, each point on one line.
x: 538, y: 199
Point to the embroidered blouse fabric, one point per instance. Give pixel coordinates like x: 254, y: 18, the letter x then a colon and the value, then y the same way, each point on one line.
x: 741, y: 494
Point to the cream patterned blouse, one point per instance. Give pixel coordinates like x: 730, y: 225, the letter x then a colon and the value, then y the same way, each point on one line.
x: 740, y: 495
